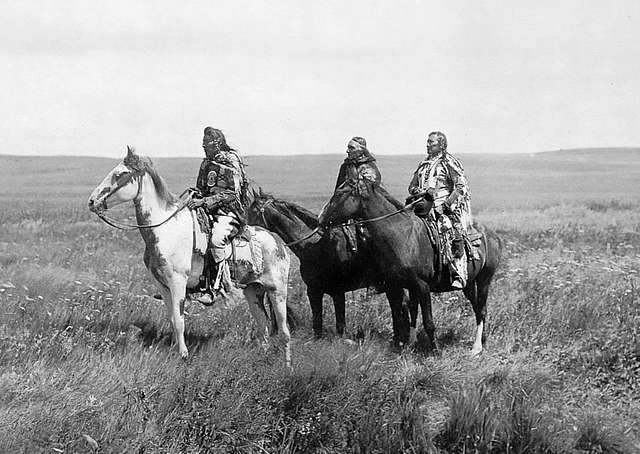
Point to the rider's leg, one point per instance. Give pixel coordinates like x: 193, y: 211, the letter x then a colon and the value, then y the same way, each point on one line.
x: 458, y: 252
x: 222, y: 229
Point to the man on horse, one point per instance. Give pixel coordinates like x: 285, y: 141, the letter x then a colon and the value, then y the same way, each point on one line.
x: 221, y: 189
x: 358, y: 165
x: 441, y: 176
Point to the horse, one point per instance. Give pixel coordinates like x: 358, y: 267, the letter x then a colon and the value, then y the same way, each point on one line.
x: 331, y: 263
x: 406, y: 254
x: 169, y: 232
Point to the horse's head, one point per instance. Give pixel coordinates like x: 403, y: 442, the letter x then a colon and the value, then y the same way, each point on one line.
x: 269, y: 212
x: 360, y: 199
x: 256, y: 210
x: 345, y: 203
x: 121, y: 184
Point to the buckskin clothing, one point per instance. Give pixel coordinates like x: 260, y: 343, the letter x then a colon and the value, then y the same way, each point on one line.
x: 443, y: 176
x: 220, y: 182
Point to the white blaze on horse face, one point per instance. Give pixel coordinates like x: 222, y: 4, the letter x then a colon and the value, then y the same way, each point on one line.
x: 100, y: 195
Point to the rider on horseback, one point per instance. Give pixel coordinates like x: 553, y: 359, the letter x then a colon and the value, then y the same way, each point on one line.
x: 221, y: 188
x: 441, y: 176
x: 359, y: 164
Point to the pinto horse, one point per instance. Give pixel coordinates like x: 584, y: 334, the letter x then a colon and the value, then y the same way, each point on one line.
x: 407, y: 257
x: 167, y: 229
x: 330, y: 263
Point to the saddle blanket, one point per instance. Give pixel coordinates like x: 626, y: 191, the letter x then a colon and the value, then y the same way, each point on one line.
x: 243, y: 252
x: 442, y: 241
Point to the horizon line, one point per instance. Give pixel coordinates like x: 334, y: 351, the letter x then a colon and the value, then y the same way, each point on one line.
x: 502, y: 153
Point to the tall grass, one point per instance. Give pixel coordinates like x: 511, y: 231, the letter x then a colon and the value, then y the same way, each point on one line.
x: 86, y: 354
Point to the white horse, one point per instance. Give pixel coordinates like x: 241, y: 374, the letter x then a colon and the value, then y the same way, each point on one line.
x: 167, y: 229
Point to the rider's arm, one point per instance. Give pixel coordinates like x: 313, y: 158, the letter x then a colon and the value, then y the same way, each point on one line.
x: 414, y: 185
x: 221, y: 197
x: 201, y: 181
x: 460, y: 184
x: 371, y: 172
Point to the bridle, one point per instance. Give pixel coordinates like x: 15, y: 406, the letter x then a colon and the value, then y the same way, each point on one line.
x: 330, y: 226
x: 121, y: 182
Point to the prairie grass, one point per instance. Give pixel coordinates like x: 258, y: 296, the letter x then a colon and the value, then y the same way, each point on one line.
x: 86, y: 354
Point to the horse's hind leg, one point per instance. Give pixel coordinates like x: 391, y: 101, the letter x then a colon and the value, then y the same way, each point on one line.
x: 278, y: 300
x: 477, y: 293
x: 254, y: 294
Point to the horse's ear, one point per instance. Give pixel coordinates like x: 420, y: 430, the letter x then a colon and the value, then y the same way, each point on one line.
x: 261, y: 193
x: 131, y: 159
x: 254, y: 193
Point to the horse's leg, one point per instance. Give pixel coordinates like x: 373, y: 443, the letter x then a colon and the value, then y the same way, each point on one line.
x: 338, y: 304
x: 471, y: 292
x: 413, y: 318
x: 480, y: 309
x: 174, y: 304
x: 278, y: 300
x: 399, y: 315
x: 315, y: 300
x: 421, y: 294
x: 254, y: 294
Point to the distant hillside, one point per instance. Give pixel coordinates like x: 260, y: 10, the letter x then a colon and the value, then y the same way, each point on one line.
x: 612, y: 151
x: 496, y: 179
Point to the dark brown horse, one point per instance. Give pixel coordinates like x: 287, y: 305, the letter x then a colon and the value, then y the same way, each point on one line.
x: 331, y: 263
x: 404, y: 253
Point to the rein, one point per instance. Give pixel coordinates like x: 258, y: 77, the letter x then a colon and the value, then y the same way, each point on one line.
x: 378, y: 218
x: 126, y: 226
x: 344, y: 224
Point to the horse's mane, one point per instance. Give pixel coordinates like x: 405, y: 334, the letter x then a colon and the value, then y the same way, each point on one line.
x: 305, y: 215
x: 145, y: 164
x: 385, y: 194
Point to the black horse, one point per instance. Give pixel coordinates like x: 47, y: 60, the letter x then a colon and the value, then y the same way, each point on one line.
x: 332, y: 262
x: 405, y: 254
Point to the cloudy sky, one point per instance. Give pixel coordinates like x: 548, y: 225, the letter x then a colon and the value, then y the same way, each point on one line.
x: 292, y: 76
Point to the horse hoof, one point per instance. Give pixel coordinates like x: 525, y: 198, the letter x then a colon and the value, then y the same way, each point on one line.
x: 475, y: 352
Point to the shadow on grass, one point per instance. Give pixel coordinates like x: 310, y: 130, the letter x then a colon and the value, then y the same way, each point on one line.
x: 151, y: 335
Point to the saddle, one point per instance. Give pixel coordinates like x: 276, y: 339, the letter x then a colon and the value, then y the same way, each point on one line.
x: 442, y: 244
x: 243, y: 254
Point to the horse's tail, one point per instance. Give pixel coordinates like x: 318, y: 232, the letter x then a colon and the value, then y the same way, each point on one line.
x: 293, y: 319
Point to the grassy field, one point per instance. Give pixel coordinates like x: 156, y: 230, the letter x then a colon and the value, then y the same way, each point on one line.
x: 86, y: 363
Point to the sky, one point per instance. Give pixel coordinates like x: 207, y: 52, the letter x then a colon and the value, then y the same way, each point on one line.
x: 302, y: 77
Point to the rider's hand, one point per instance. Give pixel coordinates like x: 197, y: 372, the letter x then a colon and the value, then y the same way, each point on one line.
x: 439, y: 210
x: 195, y: 203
